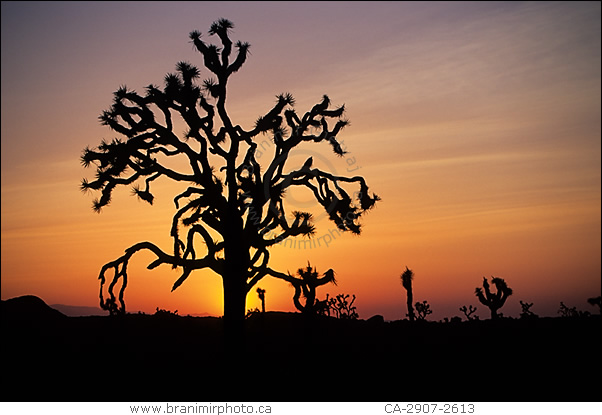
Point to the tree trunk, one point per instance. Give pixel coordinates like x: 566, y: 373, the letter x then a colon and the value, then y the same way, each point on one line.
x: 234, y: 278
x: 235, y: 298
x: 233, y: 351
x: 410, y: 306
x: 310, y: 301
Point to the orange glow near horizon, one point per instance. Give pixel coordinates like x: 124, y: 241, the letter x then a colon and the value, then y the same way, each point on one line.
x: 480, y: 132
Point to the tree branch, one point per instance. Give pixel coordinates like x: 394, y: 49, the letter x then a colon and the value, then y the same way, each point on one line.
x: 121, y: 263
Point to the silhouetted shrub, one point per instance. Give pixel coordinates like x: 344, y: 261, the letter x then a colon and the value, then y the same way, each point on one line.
x: 527, y: 313
x: 565, y: 311
x: 161, y: 312
x: 423, y: 309
x: 342, y: 308
x: 468, y: 312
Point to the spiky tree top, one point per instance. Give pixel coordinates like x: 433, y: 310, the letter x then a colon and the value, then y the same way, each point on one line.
x: 406, y: 278
x: 229, y: 201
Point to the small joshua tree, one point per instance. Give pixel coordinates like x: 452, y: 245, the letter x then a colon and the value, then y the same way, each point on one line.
x: 565, y: 311
x: 343, y: 308
x: 423, y: 309
x: 468, y: 312
x: 261, y: 294
x: 406, y: 281
x: 527, y: 313
x: 494, y: 301
x: 306, y: 285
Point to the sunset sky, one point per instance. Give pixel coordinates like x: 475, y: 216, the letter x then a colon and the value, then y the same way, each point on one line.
x: 477, y: 123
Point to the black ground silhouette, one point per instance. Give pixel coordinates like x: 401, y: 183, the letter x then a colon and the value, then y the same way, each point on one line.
x: 47, y: 356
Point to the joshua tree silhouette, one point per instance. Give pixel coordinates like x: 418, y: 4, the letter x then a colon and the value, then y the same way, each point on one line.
x: 526, y: 310
x: 343, y: 308
x: 261, y: 294
x: 306, y: 285
x: 232, y: 204
x: 572, y: 312
x: 468, y: 312
x: 406, y: 281
x: 423, y: 309
x: 494, y: 301
x: 565, y: 311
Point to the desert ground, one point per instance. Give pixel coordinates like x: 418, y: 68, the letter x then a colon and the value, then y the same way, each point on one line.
x: 47, y: 356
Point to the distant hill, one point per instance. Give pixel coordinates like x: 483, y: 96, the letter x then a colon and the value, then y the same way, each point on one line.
x: 78, y: 311
x: 28, y: 307
x: 200, y: 315
x: 33, y: 306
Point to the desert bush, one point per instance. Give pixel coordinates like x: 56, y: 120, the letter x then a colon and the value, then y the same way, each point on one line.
x: 343, y: 308
x: 526, y: 312
x: 468, y: 312
x: 423, y: 309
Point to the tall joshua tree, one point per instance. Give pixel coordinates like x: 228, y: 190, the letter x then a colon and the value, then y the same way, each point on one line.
x: 229, y: 210
x: 406, y: 281
x: 494, y: 301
